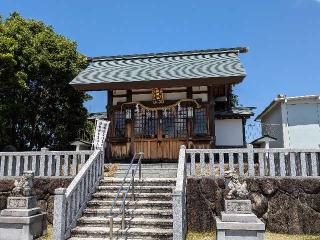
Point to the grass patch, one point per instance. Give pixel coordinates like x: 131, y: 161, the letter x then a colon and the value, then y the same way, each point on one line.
x: 211, y: 236
x: 269, y: 236
x: 48, y: 236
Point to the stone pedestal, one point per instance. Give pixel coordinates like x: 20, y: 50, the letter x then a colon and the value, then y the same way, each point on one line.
x: 238, y: 222
x: 22, y: 219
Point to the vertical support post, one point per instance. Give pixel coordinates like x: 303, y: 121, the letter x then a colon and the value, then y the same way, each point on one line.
x: 43, y: 161
x: 18, y: 159
x: 212, y: 116
x: 3, y: 162
x: 59, y: 214
x: 202, y: 164
x: 221, y: 164
x: 272, y: 165
x: 250, y: 160
x: 211, y: 162
x: 74, y: 164
x: 314, y: 164
x: 10, y: 165
x: 303, y: 164
x: 133, y: 196
x: 293, y: 172
x: 123, y: 213
x: 66, y: 164
x: 179, y: 198
x: 241, y: 167
x: 58, y: 163
x: 261, y: 164
x: 193, y: 164
x: 178, y: 224
x: 140, y: 175
x: 34, y: 164
x: 111, y: 228
x: 282, y: 165
x: 231, y: 162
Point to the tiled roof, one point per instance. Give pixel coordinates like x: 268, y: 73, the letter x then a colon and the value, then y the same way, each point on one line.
x: 212, y: 63
x: 237, y: 111
x: 98, y: 115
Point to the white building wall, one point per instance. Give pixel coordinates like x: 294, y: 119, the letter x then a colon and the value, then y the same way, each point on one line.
x: 229, y: 132
x: 272, y: 126
x: 303, y: 125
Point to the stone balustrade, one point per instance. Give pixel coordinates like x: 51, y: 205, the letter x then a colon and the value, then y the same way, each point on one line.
x: 250, y: 162
x: 70, y: 202
x: 43, y: 163
x: 179, y: 198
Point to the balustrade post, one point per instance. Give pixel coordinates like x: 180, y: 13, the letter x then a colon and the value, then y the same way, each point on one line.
x: 59, y: 214
x: 250, y: 160
x: 44, y: 151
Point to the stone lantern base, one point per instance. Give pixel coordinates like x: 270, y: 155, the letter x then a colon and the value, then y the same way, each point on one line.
x: 238, y: 222
x: 22, y: 220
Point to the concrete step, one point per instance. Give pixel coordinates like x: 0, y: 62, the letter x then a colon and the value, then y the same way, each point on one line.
x: 107, y: 181
x: 155, y: 233
x: 140, y: 196
x: 129, y: 222
x: 150, y: 170
x: 150, y: 165
x: 131, y: 204
x: 147, y: 174
x: 137, y: 212
x: 138, y: 189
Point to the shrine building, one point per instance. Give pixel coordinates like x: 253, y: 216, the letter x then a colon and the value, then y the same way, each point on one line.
x: 157, y: 102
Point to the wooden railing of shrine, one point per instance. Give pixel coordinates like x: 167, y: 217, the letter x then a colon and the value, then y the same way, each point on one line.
x: 43, y: 163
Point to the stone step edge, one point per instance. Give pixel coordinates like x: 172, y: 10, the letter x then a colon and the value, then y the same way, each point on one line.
x: 138, y: 186
x: 142, y: 211
x: 138, y: 180
x: 95, y: 202
x: 156, y: 231
x: 128, y: 219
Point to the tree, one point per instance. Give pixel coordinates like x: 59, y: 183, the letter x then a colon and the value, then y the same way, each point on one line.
x: 38, y: 107
x: 234, y: 99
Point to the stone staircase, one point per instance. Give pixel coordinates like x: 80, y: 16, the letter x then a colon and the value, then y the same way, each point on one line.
x: 152, y: 170
x: 148, y: 217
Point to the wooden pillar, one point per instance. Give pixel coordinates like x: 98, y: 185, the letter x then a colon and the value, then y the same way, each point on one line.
x: 189, y: 121
x: 109, y: 116
x: 130, y: 126
x: 244, y: 131
x: 110, y: 102
x: 211, y: 100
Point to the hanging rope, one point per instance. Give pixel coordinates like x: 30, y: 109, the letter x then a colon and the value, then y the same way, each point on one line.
x: 164, y: 108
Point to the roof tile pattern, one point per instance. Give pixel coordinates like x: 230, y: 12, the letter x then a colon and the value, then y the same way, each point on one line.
x: 189, y: 66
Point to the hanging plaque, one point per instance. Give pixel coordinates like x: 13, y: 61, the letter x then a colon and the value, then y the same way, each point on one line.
x: 157, y: 95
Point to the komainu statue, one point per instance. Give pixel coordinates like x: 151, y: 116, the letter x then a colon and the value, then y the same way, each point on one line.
x: 236, y: 189
x: 23, y: 186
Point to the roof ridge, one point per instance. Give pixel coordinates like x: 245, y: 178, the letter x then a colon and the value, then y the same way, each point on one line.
x: 170, y: 54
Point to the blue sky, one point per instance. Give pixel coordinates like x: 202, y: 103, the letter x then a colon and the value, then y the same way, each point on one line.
x: 283, y: 36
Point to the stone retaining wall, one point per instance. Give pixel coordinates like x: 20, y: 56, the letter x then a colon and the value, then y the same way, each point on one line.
x: 43, y: 189
x: 287, y: 205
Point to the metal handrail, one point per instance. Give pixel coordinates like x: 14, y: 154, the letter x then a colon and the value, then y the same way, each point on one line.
x: 125, y: 193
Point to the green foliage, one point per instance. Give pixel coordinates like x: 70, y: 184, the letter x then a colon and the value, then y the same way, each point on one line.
x: 38, y: 107
x: 234, y: 99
